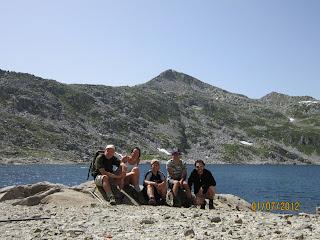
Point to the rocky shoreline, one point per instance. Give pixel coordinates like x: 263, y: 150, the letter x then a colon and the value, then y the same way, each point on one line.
x: 52, y: 211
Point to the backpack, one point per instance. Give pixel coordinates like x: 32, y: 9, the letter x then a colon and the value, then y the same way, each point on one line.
x: 91, y: 168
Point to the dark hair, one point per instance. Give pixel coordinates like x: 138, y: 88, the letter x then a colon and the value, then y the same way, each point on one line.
x: 199, y: 161
x: 138, y: 150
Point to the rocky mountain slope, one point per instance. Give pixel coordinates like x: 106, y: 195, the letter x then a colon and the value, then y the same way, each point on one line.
x: 47, y: 121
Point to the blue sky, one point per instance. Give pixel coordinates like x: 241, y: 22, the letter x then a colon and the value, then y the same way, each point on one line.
x: 242, y: 46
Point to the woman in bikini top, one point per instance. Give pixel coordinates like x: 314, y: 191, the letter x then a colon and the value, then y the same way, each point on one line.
x: 133, y: 173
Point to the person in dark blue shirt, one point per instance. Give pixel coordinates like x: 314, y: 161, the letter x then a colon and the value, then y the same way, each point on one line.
x: 203, y: 184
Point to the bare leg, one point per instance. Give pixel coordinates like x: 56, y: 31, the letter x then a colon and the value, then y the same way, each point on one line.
x: 106, y: 184
x: 186, y: 187
x: 175, y: 188
x: 162, y: 189
x: 200, y: 198
x: 135, y: 176
x: 119, y: 182
x: 150, y: 191
x: 211, y: 192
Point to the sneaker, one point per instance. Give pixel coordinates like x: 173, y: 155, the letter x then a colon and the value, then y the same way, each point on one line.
x: 112, y: 200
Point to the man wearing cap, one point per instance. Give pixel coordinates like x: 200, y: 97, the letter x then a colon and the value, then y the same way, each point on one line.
x: 203, y: 184
x: 177, y: 173
x: 104, y: 173
x: 154, y: 185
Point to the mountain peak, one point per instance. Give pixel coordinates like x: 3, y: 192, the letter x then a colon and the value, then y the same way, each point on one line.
x: 173, y: 80
x: 283, y: 99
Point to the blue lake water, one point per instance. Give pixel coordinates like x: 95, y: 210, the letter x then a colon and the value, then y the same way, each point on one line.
x: 287, y: 183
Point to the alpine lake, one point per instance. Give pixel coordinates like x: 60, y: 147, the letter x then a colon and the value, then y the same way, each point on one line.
x: 292, y: 188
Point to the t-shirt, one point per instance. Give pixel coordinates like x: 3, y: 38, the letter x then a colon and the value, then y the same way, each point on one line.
x: 102, y: 162
x: 178, y: 169
x: 205, y: 180
x: 158, y: 178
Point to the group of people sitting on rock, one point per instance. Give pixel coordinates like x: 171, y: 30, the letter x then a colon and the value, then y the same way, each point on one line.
x: 108, y: 170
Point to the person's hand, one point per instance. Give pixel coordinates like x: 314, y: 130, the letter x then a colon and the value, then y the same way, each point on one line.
x: 125, y: 158
x: 161, y: 184
x: 123, y: 174
x: 181, y: 182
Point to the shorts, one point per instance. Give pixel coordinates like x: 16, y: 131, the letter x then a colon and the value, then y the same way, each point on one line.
x: 99, y: 179
x: 170, y: 182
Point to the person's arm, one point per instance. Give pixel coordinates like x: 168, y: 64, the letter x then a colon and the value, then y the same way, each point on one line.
x: 209, y: 181
x: 121, y: 166
x: 109, y: 174
x: 184, y: 173
x: 99, y: 166
x: 147, y: 180
x: 124, y: 159
x: 190, y: 180
x: 170, y: 169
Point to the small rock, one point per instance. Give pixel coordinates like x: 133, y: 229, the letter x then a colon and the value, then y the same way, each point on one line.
x: 305, y: 226
x: 230, y: 232
x: 75, y: 232
x: 288, y: 222
x: 147, y: 221
x: 299, y: 237
x: 239, y: 221
x: 37, y: 230
x: 216, y: 219
x: 189, y: 233
x: 277, y: 232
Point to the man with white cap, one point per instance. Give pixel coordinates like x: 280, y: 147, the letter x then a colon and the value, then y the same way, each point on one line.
x: 104, y: 173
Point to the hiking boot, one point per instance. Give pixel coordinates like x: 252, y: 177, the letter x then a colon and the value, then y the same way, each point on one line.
x: 203, y: 206
x: 112, y: 200
x: 169, y: 198
x: 152, y: 202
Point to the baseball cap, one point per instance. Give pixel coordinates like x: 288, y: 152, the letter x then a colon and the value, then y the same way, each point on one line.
x: 175, y: 151
x: 154, y: 161
x: 110, y: 146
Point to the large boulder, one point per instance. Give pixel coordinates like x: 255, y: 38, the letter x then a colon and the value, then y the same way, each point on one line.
x: 30, y: 194
x: 68, y: 197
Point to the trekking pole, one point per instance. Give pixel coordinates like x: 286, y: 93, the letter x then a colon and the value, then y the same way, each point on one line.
x: 95, y: 195
x: 24, y: 219
x: 128, y: 196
